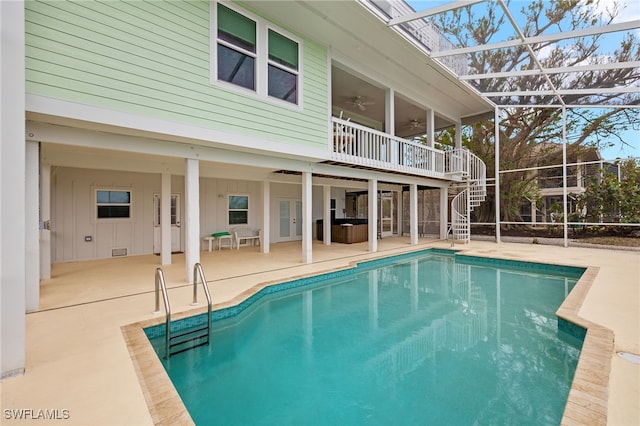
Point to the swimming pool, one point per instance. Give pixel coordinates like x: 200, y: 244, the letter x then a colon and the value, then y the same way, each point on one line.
x: 428, y: 338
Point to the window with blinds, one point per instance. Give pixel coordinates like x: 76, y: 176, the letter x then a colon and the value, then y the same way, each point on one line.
x: 252, y: 54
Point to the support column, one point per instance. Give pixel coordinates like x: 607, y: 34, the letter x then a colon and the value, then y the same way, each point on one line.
x: 12, y: 187
x: 430, y: 127
x: 565, y: 211
x: 458, y: 136
x: 496, y: 122
x: 165, y: 219
x: 400, y: 219
x: 413, y: 213
x: 266, y: 217
x: 32, y: 223
x: 444, y: 212
x: 373, y: 215
x: 307, y: 230
x: 192, y: 216
x: 326, y: 215
x: 45, y: 222
x: 389, y: 112
x: 390, y: 124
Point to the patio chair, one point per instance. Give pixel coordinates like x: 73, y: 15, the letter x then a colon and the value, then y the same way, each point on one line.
x: 246, y: 235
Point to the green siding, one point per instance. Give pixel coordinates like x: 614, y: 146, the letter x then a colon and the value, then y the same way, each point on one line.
x: 152, y: 59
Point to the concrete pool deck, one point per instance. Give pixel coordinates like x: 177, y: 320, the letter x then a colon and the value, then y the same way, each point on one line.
x: 79, y: 369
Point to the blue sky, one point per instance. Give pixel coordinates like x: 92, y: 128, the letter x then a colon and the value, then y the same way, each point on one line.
x: 630, y: 10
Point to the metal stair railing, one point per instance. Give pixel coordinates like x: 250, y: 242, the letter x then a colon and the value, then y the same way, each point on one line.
x: 160, y: 285
x: 183, y: 340
x: 474, y: 172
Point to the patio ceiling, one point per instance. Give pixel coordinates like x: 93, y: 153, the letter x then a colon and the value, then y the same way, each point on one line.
x: 556, y: 89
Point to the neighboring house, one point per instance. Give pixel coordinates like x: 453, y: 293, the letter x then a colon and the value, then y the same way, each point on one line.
x: 150, y: 125
x: 583, y: 166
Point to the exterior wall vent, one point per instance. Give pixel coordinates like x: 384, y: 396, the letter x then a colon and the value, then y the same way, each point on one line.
x: 118, y: 252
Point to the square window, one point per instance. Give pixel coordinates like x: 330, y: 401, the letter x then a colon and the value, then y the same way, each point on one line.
x: 238, y: 210
x: 113, y: 204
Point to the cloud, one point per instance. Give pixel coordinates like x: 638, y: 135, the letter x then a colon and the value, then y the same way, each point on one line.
x: 628, y: 10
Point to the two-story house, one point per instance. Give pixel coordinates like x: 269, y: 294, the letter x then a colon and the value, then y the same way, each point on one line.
x: 583, y: 165
x: 131, y: 128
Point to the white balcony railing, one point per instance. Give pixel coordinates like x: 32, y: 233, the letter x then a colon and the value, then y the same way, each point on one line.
x: 355, y: 144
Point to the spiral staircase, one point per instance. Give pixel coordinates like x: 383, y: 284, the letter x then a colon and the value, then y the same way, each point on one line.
x: 471, y: 192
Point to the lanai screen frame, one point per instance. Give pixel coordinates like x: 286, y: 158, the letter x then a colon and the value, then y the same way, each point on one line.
x: 556, y: 94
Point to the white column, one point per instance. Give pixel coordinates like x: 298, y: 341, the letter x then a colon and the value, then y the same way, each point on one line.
x: 413, y: 212
x: 32, y: 223
x: 458, y: 135
x: 444, y: 212
x: 400, y: 218
x: 565, y: 212
x: 389, y: 112
x: 192, y: 216
x: 431, y: 119
x: 165, y: 219
x: 373, y: 215
x: 45, y: 224
x: 266, y: 217
x: 12, y: 187
x: 307, y: 230
x: 326, y: 215
x: 496, y: 121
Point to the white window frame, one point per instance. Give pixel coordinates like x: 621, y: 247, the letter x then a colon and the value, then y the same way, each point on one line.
x: 229, y: 210
x: 112, y: 219
x: 261, y: 56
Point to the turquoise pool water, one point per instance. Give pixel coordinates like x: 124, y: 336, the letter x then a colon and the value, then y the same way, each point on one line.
x: 426, y: 339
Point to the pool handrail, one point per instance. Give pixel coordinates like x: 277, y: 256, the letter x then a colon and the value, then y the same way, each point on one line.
x: 160, y: 284
x: 197, y: 271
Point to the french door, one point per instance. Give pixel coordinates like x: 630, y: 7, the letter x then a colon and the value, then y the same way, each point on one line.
x: 176, y: 240
x: 386, y: 214
x: 289, y: 220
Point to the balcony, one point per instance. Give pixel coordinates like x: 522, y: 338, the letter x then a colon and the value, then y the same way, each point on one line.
x: 362, y: 146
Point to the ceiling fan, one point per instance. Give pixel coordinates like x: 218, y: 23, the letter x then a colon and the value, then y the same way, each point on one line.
x: 359, y: 101
x: 414, y: 124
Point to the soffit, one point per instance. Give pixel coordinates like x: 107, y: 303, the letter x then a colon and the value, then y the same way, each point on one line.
x: 361, y: 40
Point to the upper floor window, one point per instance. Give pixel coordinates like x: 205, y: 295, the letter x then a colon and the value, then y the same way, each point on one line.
x: 236, y: 48
x: 283, y: 67
x: 251, y: 54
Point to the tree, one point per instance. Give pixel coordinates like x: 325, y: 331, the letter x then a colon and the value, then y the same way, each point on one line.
x: 610, y: 198
x: 524, y: 131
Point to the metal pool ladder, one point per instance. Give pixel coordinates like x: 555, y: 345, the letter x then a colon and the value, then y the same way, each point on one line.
x: 189, y: 338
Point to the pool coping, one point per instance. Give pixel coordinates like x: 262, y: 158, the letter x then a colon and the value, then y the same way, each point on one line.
x: 587, y: 402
